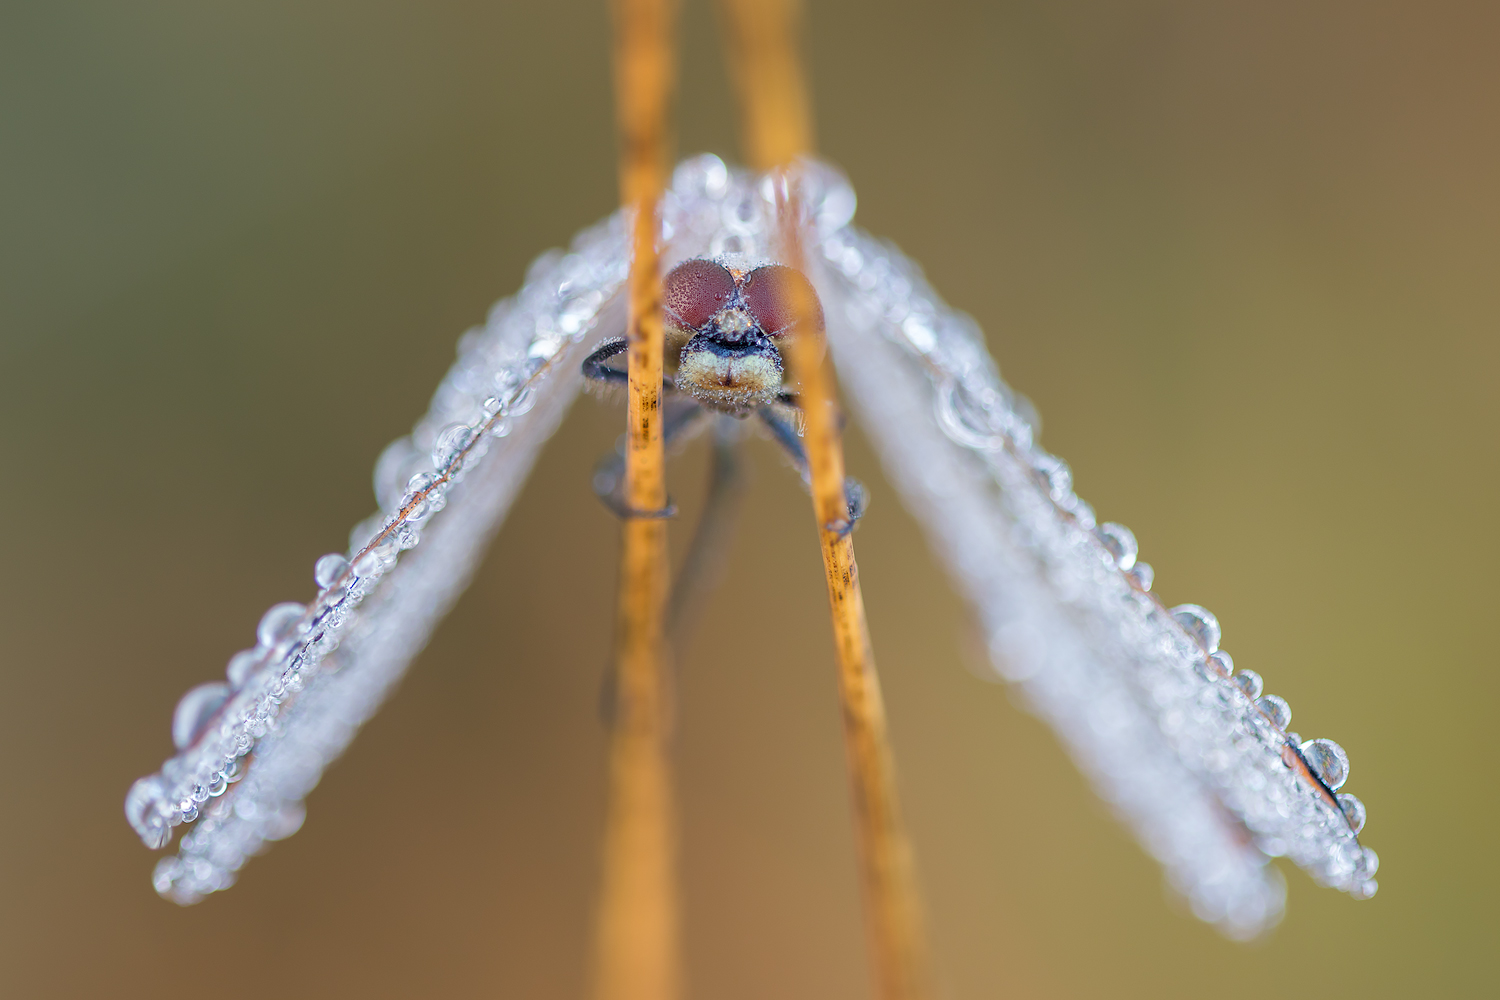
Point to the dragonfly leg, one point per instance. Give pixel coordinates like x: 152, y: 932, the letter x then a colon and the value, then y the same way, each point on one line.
x: 594, y: 368
x: 708, y: 548
x: 785, y: 433
x: 609, y: 475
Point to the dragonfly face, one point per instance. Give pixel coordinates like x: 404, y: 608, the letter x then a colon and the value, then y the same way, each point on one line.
x: 725, y: 329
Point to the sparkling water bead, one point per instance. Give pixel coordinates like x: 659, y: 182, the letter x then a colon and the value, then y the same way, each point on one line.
x: 1354, y: 811
x: 143, y: 808
x: 279, y: 624
x: 1223, y: 662
x: 1328, y: 761
x: 369, y: 566
x: 1120, y: 542
x: 194, y: 711
x: 1055, y: 474
x: 450, y: 446
x: 523, y: 402
x: 241, y: 666
x: 1143, y: 575
x: 1249, y: 682
x: 328, y: 569
x: 1199, y: 623
x: 1370, y: 863
x: 1276, y: 709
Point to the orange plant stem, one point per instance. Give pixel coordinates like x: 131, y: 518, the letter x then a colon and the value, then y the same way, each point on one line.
x: 778, y: 128
x: 638, y: 951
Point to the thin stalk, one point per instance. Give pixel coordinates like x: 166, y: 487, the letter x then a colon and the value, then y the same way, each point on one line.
x: 638, y: 951
x: 777, y: 125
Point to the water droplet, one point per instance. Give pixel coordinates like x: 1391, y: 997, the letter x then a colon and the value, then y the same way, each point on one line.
x: 1199, y: 623
x: 1249, y: 682
x: 1143, y: 575
x: 501, y: 427
x: 166, y: 874
x: 144, y: 810
x: 1276, y: 709
x: 1354, y: 811
x: 234, y: 771
x: 964, y: 419
x: 328, y: 569
x: 421, y: 481
x: 523, y: 402
x: 415, y: 506
x: 189, y: 810
x: 1055, y: 475
x: 1365, y: 889
x: 369, y: 566
x: 1223, y: 662
x: 450, y: 446
x: 1370, y: 863
x: 1120, y: 542
x: 280, y: 624
x: 241, y: 666
x: 194, y: 711
x: 1328, y: 761
x: 217, y: 785
x: 287, y: 821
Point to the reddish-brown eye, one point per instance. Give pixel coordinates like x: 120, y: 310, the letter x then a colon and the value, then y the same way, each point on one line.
x: 696, y: 290
x: 772, y: 291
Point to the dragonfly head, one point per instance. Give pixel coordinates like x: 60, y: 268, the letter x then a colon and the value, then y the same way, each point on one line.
x: 732, y: 322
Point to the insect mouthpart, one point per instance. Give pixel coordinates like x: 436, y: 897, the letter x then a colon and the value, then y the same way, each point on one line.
x: 733, y: 369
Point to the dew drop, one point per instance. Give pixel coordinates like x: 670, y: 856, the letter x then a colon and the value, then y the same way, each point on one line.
x: 1199, y: 623
x: 280, y: 624
x: 1328, y: 761
x: 1120, y: 542
x: 286, y: 821
x: 328, y: 569
x: 241, y: 666
x: 1369, y: 863
x: 218, y: 784
x: 450, y: 446
x: 1249, y: 682
x: 194, y: 711
x: 523, y: 402
x: 1276, y: 709
x: 189, y: 810
x: 369, y: 566
x: 1055, y: 474
x: 1223, y: 662
x: 144, y: 809
x: 1365, y: 889
x: 1143, y: 575
x: 1354, y: 811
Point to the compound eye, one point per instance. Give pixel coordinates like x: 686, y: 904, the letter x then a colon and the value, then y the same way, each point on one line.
x: 772, y: 293
x: 696, y: 290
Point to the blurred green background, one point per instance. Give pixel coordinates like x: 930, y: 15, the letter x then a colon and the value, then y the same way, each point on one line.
x: 1243, y: 255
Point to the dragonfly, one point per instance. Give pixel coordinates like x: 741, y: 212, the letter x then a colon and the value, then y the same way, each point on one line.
x: 1190, y: 751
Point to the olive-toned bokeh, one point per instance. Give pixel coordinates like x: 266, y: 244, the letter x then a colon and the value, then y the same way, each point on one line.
x: 1242, y: 254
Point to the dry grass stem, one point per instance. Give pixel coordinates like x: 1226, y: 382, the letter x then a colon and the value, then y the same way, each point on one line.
x: 777, y: 125
x: 638, y: 949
